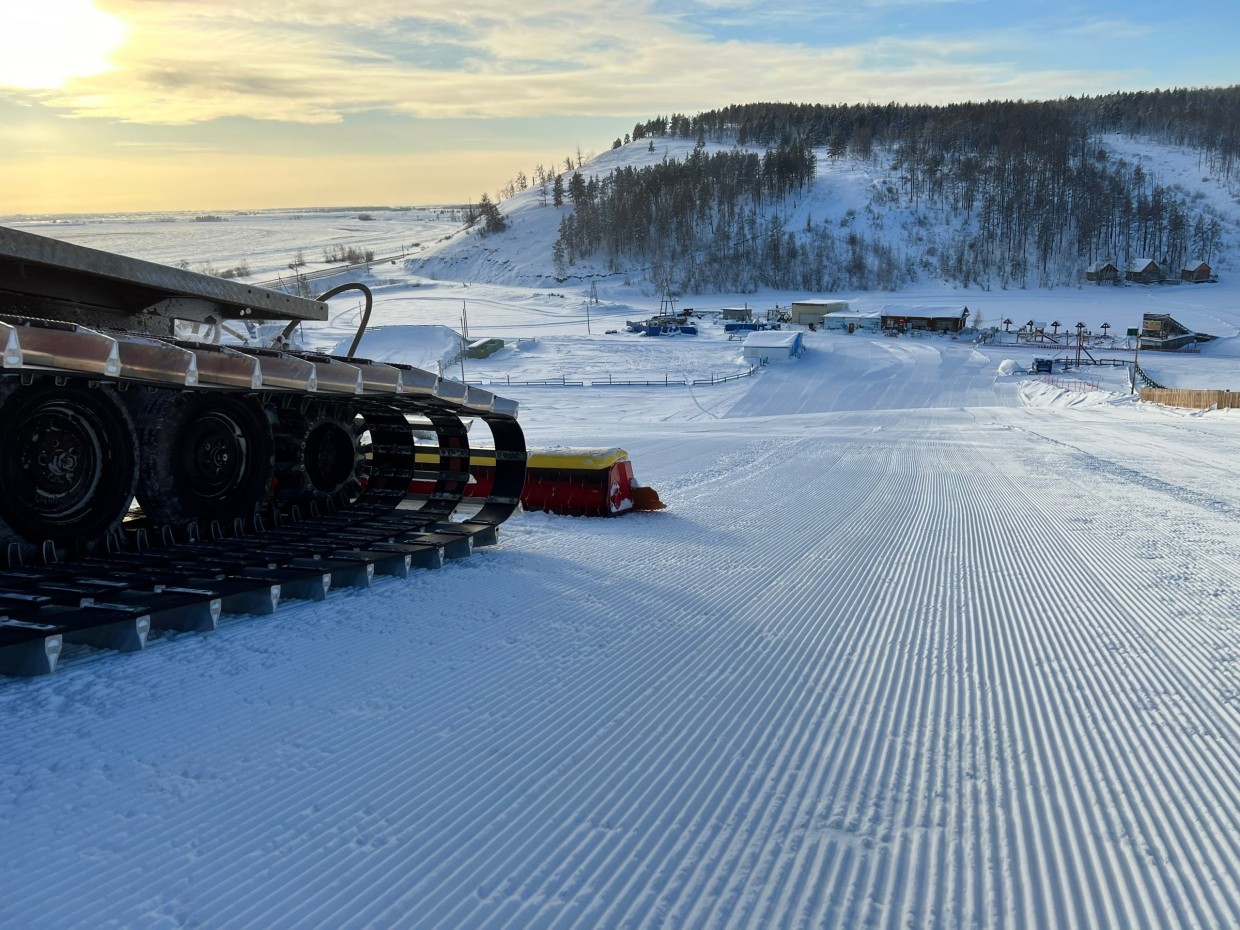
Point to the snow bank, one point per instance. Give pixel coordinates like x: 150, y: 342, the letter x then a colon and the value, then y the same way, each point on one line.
x: 430, y: 347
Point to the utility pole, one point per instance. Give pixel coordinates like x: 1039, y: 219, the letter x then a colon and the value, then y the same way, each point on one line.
x: 465, y: 340
x: 667, y: 304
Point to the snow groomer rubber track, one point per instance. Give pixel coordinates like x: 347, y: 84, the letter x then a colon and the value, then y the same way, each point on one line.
x: 259, y: 473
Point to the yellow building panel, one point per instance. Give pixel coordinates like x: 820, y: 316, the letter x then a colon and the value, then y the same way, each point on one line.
x: 564, y: 459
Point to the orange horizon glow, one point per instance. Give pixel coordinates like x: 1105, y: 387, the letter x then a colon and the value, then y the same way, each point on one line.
x: 204, y: 181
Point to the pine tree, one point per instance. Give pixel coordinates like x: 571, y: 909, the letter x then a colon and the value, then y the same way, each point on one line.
x: 492, y: 220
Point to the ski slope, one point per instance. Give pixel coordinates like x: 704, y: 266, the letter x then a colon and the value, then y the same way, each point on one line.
x: 916, y: 644
x: 919, y: 642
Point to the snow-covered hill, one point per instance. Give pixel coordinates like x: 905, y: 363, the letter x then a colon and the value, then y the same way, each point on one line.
x: 849, y: 194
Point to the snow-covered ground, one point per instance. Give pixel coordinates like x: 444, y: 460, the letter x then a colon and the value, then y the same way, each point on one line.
x: 919, y: 641
x: 265, y: 242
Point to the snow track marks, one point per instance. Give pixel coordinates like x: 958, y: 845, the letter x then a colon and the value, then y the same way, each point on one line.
x: 864, y: 676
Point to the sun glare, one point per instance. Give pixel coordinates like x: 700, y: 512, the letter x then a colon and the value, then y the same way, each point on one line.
x: 44, y: 43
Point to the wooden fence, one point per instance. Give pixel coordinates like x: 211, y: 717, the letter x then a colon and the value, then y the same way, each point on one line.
x: 1196, y: 400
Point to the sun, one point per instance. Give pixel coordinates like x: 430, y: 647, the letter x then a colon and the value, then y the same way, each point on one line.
x: 44, y: 43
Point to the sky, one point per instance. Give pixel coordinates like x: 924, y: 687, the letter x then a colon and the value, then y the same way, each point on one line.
x: 140, y: 105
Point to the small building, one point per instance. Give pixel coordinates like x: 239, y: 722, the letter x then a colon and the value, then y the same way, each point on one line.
x: 1161, y: 333
x: 852, y: 321
x: 1145, y: 271
x: 1103, y: 272
x: 948, y: 319
x: 736, y: 313
x: 484, y: 348
x: 805, y: 312
x: 1197, y: 272
x: 771, y: 345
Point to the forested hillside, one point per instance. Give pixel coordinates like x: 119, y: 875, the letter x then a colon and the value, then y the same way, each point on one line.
x: 1009, y: 194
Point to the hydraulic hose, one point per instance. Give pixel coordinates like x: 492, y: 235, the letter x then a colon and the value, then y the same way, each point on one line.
x: 361, y: 329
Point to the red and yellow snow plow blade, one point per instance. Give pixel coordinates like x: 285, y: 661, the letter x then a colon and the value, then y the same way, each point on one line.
x: 574, y: 482
x: 645, y: 498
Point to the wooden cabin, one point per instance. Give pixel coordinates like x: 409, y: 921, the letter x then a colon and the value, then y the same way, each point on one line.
x: 1103, y: 272
x: 1144, y: 271
x: 1196, y: 272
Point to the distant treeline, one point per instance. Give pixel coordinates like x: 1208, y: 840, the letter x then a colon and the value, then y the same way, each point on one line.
x: 1014, y: 193
x: 1203, y: 119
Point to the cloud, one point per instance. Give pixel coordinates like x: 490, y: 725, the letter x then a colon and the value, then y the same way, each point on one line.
x: 1112, y: 29
x: 161, y: 147
x: 315, y: 61
x: 880, y: 4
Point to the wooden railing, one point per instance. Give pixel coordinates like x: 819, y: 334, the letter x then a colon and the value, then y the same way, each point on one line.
x: 1080, y: 385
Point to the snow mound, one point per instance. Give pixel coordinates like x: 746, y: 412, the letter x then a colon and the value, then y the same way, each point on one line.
x: 430, y: 347
x: 1042, y: 394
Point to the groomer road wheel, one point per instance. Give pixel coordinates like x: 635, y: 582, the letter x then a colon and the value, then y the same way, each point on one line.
x: 67, y: 463
x: 205, y: 457
x: 319, y: 456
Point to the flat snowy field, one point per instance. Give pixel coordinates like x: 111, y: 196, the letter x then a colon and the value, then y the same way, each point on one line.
x: 916, y: 644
